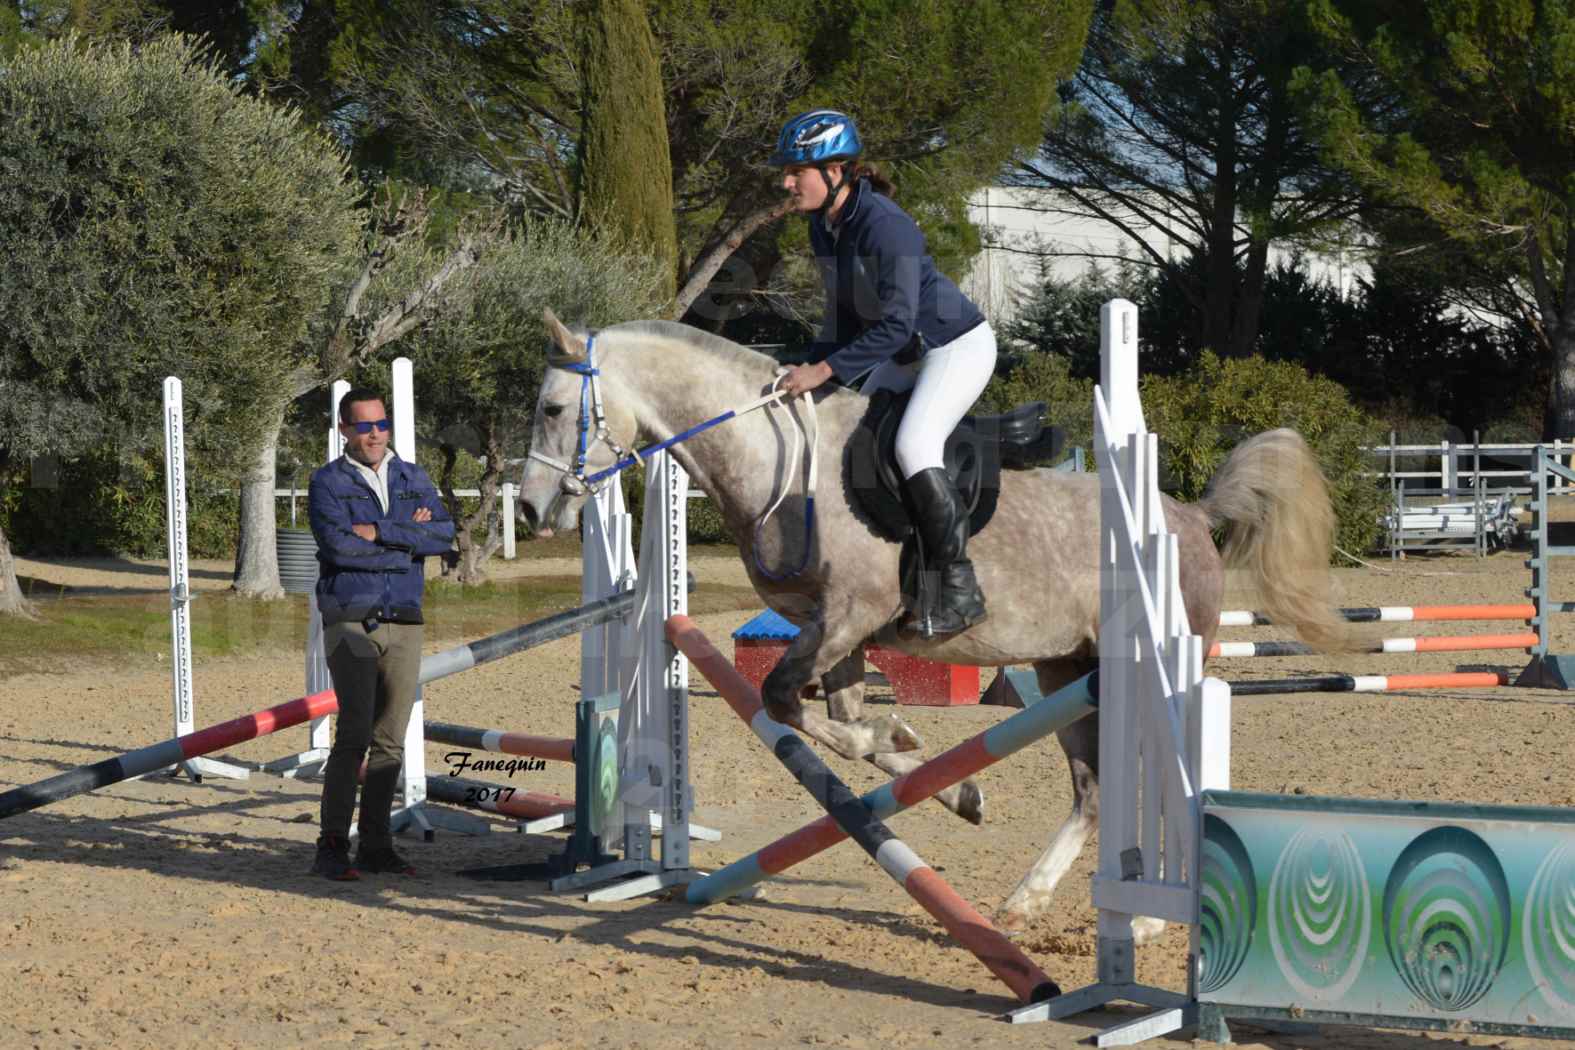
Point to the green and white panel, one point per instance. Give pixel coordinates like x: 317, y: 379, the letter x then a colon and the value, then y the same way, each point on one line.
x: 1412, y: 914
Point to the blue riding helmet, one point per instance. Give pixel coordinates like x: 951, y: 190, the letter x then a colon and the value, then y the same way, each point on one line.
x: 817, y: 137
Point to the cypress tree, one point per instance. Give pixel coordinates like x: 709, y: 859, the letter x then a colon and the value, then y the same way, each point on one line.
x: 625, y: 170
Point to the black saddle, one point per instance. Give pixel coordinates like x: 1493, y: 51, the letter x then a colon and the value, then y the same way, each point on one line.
x: 976, y: 452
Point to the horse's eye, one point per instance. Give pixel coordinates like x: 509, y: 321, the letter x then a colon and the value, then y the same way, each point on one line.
x: 553, y: 411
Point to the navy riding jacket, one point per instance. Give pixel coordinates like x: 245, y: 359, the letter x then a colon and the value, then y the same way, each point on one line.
x: 884, y: 296
x: 378, y: 579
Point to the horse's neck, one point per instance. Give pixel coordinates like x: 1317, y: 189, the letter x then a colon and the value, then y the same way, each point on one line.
x: 739, y: 464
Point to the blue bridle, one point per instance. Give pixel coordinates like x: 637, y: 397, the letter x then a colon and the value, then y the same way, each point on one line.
x: 592, y: 427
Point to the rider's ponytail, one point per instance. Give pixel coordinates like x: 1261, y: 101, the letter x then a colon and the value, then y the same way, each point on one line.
x: 865, y: 170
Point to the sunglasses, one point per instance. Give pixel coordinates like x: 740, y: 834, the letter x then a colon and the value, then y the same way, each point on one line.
x: 365, y: 426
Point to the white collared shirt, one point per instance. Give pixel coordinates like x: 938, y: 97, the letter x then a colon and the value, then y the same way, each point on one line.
x: 377, y: 479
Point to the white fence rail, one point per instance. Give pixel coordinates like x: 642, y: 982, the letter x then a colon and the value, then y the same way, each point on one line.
x: 1458, y: 466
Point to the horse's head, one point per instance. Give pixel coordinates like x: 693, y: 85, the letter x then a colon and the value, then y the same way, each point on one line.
x: 575, y: 416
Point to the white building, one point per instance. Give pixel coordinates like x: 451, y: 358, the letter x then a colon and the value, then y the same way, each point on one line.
x: 1025, y: 229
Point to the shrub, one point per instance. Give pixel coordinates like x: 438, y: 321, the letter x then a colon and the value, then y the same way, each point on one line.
x: 155, y: 219
x: 105, y: 503
x: 1205, y: 412
x: 1048, y: 378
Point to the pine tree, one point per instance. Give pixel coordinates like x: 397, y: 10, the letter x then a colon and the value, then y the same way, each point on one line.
x: 1180, y: 120
x: 1467, y: 121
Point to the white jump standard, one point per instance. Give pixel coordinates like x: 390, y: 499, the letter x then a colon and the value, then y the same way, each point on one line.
x: 180, y: 586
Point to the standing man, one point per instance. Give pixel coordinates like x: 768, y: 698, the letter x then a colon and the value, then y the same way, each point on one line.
x: 376, y: 519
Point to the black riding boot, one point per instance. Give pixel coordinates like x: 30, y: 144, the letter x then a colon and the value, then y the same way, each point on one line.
x: 942, y: 521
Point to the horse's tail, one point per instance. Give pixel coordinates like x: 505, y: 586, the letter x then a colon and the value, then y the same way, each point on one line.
x: 1271, y: 497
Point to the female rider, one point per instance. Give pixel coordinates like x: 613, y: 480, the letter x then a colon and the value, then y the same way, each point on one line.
x: 892, y: 316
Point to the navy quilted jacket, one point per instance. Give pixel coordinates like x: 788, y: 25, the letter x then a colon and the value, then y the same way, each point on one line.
x: 382, y: 578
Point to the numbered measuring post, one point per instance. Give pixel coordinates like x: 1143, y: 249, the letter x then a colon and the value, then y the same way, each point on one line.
x: 180, y: 585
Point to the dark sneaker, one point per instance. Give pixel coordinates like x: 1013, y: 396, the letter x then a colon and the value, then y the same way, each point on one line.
x: 383, y: 860
x: 333, y: 859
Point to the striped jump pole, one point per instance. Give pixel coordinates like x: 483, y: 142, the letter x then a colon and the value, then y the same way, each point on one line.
x: 179, y: 749
x: 528, y: 636
x: 477, y: 794
x: 501, y: 799
x: 1050, y: 714
x: 171, y: 752
x: 1460, y: 643
x: 551, y: 748
x: 962, y: 921
x: 1370, y: 683
x: 1398, y: 614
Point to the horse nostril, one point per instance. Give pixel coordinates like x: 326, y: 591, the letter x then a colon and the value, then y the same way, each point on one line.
x: 527, y: 514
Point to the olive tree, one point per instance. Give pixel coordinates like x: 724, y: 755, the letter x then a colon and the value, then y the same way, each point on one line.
x: 156, y: 221
x: 479, y: 360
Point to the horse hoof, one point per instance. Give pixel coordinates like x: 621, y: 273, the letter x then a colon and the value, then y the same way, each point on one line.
x: 1146, y: 928
x: 970, y: 802
x: 903, y: 736
x: 1012, y: 923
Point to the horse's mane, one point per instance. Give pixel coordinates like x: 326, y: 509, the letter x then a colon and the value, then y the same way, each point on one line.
x: 738, y: 360
x: 697, y: 338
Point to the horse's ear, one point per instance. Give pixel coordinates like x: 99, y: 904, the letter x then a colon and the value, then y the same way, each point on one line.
x: 564, y: 347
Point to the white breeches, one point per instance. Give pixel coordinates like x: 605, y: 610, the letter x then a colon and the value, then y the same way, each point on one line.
x: 945, y: 382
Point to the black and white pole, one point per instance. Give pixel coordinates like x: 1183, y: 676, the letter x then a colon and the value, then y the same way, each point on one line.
x: 180, y: 586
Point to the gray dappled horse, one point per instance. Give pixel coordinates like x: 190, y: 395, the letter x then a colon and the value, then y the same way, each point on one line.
x: 1037, y: 558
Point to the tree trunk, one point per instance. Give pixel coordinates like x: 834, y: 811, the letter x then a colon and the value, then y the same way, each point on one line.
x: 488, y: 517
x: 715, y: 255
x: 1219, y: 295
x: 1563, y: 392
x: 474, y: 556
x: 256, y: 551
x: 484, y: 520
x: 446, y: 489
x: 1556, y: 312
x: 12, y: 602
x: 1265, y: 190
x: 1249, y: 305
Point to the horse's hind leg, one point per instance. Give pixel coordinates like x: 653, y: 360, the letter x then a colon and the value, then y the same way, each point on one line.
x: 1080, y: 742
x: 844, y: 688
x: 810, y: 656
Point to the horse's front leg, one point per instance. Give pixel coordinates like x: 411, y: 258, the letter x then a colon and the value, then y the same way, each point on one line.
x: 811, y: 656
x: 844, y: 688
x: 843, y: 685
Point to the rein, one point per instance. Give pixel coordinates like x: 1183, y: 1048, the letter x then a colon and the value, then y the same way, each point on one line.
x: 592, y: 426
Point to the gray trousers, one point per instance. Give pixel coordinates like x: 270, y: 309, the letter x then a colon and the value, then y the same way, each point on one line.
x: 375, y: 675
